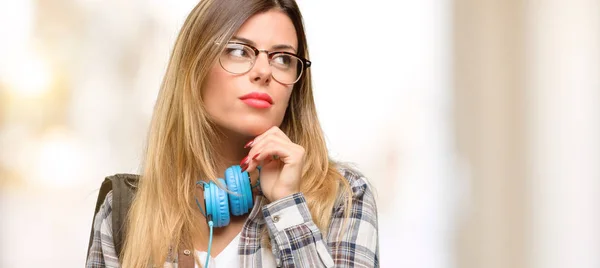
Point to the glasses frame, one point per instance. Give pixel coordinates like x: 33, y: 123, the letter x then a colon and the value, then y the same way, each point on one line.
x: 270, y: 54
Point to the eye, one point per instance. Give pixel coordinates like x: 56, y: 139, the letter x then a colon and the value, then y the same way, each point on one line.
x: 235, y: 51
x: 284, y: 61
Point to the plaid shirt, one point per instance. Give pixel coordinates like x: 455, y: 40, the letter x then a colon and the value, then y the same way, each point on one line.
x: 296, y: 239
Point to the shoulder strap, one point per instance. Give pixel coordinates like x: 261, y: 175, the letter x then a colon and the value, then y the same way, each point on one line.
x: 123, y: 187
x: 123, y: 191
x: 185, y: 259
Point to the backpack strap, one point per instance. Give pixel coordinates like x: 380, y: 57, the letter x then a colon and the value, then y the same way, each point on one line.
x: 123, y: 187
x: 185, y: 259
x: 123, y: 191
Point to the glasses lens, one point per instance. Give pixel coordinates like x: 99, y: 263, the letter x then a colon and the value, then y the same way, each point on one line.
x: 286, y: 68
x: 237, y: 58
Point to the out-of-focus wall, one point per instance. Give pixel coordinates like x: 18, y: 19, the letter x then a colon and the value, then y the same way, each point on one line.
x: 563, y: 126
x: 77, y: 84
x: 489, y: 104
x: 527, y: 102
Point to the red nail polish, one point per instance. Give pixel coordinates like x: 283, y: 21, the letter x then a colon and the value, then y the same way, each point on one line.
x: 244, y: 167
x: 244, y: 161
x: 249, y: 144
x: 254, y: 158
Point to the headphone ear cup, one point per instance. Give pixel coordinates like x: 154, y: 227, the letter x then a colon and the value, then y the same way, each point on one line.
x: 238, y: 183
x: 244, y: 180
x: 217, y: 204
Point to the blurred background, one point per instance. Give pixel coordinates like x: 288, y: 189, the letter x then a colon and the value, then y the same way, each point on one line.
x: 477, y: 121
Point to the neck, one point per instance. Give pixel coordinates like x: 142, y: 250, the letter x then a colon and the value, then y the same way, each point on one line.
x: 230, y: 151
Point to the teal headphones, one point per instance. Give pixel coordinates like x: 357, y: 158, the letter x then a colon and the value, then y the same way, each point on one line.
x: 219, y: 203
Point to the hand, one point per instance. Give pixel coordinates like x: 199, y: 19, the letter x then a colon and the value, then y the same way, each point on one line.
x: 281, y: 163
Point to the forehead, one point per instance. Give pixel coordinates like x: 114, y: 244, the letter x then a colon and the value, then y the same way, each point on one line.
x: 269, y: 29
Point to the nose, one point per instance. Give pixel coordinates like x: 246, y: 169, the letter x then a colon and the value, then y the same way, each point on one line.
x: 261, y: 71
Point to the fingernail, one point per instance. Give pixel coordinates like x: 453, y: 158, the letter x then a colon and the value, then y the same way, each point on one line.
x: 255, y: 156
x: 244, y: 161
x: 244, y: 167
x: 249, y: 144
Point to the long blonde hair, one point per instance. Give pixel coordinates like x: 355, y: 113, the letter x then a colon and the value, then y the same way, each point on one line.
x: 181, y: 137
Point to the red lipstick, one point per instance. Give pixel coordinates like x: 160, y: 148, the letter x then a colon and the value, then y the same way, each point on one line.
x: 257, y: 100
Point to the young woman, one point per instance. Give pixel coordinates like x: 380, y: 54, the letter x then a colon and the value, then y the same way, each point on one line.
x: 238, y: 91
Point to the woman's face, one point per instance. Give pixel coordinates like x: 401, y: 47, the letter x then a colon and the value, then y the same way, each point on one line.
x: 226, y: 95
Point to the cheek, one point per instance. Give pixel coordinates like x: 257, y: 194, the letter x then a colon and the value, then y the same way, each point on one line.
x: 284, y: 98
x: 213, y: 87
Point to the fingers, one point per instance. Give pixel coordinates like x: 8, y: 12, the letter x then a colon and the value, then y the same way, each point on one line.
x: 262, y: 151
x: 273, y: 131
x: 281, y: 161
x: 272, y: 145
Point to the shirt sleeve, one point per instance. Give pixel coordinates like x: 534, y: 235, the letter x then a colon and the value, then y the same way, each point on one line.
x: 102, y: 252
x: 298, y: 242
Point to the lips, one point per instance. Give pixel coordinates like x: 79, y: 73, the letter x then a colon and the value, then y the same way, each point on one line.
x: 257, y: 100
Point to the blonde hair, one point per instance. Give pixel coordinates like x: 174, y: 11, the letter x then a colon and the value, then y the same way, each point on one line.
x: 181, y: 137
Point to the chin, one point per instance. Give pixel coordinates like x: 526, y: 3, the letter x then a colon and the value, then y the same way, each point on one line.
x: 255, y: 130
x: 250, y: 130
x: 249, y: 126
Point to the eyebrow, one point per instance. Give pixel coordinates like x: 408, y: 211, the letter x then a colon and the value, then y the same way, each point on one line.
x: 275, y: 47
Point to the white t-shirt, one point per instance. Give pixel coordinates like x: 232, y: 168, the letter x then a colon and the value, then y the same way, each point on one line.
x: 229, y: 256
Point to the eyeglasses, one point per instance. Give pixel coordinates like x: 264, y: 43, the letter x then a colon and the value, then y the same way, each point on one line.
x: 286, y: 67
